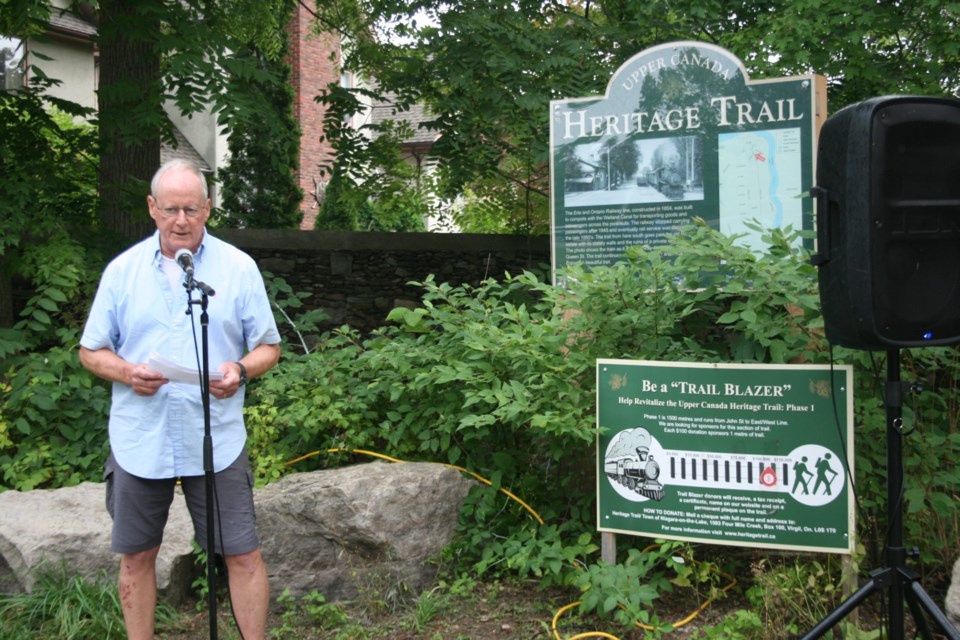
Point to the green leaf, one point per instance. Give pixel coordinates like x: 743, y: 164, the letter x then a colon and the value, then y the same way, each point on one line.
x: 44, y: 403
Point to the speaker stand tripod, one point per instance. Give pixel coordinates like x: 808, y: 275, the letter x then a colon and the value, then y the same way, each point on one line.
x: 902, y: 584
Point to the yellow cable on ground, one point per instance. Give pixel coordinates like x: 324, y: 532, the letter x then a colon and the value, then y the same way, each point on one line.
x: 588, y: 634
x: 640, y: 625
x: 556, y: 633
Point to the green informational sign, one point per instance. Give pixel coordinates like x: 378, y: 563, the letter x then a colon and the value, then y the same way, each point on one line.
x: 747, y: 455
x: 681, y: 133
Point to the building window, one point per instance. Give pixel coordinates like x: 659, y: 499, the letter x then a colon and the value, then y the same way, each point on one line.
x: 346, y: 81
x: 11, y: 63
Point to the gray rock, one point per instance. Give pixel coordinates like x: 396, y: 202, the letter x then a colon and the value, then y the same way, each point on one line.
x: 952, y: 600
x: 338, y: 532
x: 70, y: 528
x: 343, y: 530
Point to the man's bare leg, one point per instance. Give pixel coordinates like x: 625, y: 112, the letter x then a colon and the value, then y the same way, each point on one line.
x: 250, y: 593
x: 138, y: 592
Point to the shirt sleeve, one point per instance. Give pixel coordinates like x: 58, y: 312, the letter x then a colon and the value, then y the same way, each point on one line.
x: 101, y: 330
x: 259, y: 325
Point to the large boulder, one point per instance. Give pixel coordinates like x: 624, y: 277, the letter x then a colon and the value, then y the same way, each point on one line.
x: 70, y: 528
x: 341, y: 531
x: 336, y: 531
x: 952, y: 601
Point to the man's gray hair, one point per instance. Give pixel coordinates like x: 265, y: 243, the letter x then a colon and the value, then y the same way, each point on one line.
x: 182, y: 165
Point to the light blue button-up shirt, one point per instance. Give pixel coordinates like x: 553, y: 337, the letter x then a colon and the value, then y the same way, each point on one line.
x: 135, y: 313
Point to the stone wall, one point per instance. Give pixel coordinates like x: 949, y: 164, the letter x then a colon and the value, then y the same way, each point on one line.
x: 357, y: 278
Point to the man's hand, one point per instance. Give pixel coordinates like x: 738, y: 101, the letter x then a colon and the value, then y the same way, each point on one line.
x: 109, y: 366
x: 145, y: 381
x: 226, y: 388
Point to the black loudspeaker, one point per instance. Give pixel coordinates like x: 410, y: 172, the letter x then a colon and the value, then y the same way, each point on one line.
x: 888, y: 223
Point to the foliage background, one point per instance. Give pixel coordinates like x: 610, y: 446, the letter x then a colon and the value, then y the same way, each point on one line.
x: 496, y: 378
x: 260, y: 189
x: 486, y: 71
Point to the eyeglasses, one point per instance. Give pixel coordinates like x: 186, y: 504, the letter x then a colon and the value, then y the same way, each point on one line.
x: 173, y: 212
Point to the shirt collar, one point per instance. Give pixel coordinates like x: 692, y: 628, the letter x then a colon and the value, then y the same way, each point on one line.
x: 157, y: 253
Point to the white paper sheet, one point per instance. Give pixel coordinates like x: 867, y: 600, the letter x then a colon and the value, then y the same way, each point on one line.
x: 176, y: 373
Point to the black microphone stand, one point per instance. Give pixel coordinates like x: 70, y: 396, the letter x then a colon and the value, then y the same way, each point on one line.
x: 190, y: 284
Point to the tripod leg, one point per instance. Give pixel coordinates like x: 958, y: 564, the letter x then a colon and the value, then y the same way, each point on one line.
x: 918, y: 598
x: 841, y: 611
x: 923, y: 628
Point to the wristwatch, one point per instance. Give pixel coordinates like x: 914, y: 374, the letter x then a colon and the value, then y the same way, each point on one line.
x: 243, y: 373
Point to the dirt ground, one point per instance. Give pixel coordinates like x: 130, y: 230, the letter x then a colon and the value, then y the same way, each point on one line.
x: 513, y: 611
x: 502, y: 611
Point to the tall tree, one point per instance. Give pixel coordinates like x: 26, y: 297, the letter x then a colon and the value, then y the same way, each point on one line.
x: 487, y: 70
x: 152, y: 51
x: 259, y: 187
x: 130, y: 98
x: 196, y: 54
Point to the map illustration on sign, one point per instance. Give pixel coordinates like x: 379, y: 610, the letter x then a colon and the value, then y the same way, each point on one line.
x: 761, y: 179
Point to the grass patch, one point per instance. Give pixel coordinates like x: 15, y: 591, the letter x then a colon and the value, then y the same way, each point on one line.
x: 69, y: 607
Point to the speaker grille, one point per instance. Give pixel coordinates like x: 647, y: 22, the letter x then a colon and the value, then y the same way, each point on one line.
x: 916, y: 218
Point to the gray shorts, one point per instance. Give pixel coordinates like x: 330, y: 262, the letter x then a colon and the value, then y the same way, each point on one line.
x: 139, y: 508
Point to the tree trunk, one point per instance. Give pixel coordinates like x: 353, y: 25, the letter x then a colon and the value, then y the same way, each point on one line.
x: 6, y: 297
x: 131, y: 114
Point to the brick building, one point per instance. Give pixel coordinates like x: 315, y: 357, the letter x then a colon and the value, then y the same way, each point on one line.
x: 315, y: 59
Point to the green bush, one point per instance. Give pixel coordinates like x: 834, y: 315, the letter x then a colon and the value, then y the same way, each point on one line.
x: 499, y: 379
x: 52, y: 412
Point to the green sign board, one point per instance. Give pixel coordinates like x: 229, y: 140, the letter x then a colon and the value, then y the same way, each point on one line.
x: 681, y: 133
x: 747, y: 455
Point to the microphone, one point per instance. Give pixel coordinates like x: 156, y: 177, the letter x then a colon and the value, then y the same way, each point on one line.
x: 185, y: 259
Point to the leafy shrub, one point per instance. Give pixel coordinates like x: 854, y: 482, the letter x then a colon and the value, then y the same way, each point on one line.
x: 499, y: 379
x: 51, y: 428
x: 52, y: 414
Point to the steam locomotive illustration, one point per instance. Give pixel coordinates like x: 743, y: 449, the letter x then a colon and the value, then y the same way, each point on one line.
x: 665, y: 171
x: 637, y: 474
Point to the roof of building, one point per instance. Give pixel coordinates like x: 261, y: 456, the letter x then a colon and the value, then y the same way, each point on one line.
x: 63, y: 21
x: 183, y: 149
x: 417, y: 116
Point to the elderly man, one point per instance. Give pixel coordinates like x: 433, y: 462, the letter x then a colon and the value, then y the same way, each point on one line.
x: 157, y: 425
